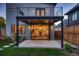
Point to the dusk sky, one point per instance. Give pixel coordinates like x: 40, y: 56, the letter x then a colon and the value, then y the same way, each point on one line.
x: 66, y: 7
x: 3, y: 10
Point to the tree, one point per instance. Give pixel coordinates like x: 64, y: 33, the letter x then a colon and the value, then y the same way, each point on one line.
x: 2, y: 25
x: 2, y: 22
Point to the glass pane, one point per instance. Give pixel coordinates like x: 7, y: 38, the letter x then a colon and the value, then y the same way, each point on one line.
x: 21, y: 29
x: 42, y: 12
x: 38, y: 12
x: 40, y: 31
x: 75, y: 16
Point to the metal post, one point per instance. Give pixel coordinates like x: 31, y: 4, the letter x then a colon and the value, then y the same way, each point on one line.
x: 17, y: 23
x: 17, y: 41
x: 62, y: 35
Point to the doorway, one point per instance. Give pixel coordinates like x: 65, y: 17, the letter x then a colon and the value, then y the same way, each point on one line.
x: 40, y: 32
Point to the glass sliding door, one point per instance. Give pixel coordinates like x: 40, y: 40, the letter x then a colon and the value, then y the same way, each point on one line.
x: 40, y: 32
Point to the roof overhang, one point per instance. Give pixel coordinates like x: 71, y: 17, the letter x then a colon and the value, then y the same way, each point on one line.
x: 73, y: 9
x: 39, y: 17
x: 48, y: 20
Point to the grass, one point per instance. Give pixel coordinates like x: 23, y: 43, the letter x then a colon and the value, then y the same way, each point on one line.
x: 12, y: 51
x: 2, y: 43
x: 31, y: 52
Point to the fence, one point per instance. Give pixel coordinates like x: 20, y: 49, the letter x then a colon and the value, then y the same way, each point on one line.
x: 58, y: 35
x: 71, y: 34
x: 2, y: 33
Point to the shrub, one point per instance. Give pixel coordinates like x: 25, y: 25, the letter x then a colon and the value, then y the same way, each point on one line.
x: 7, y: 39
x: 68, y: 48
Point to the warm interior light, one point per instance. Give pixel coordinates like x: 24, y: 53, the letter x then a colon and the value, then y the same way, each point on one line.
x: 40, y: 28
x: 40, y: 31
x: 21, y: 28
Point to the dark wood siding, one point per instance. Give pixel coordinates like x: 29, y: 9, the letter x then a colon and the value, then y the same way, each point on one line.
x: 75, y: 22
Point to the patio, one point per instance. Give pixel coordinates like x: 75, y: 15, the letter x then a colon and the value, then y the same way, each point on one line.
x: 41, y: 44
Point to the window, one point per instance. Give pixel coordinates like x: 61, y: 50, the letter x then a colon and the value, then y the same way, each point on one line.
x: 74, y: 16
x: 21, y: 29
x: 40, y: 11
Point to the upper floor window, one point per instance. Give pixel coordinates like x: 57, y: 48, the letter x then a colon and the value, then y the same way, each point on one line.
x: 74, y: 16
x: 40, y: 11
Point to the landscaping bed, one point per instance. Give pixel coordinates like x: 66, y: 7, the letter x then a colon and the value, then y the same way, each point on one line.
x: 5, y: 41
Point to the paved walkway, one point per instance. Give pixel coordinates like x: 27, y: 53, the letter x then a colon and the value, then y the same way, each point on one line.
x: 41, y: 44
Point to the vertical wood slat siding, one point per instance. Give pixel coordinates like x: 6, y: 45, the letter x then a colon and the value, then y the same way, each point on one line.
x: 71, y: 34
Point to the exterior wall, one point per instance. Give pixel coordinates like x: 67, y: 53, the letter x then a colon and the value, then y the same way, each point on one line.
x: 11, y: 13
x: 52, y: 33
x: 70, y: 21
x: 71, y: 32
x: 28, y: 33
x: 11, y: 19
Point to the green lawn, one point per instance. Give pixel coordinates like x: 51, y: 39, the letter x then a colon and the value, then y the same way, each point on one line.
x: 2, y: 43
x: 31, y: 52
x: 12, y: 51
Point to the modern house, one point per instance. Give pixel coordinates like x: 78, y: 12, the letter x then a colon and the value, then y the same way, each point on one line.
x: 71, y: 32
x: 34, y: 21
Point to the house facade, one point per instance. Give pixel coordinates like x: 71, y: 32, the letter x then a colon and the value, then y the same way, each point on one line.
x: 71, y: 31
x: 34, y: 21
